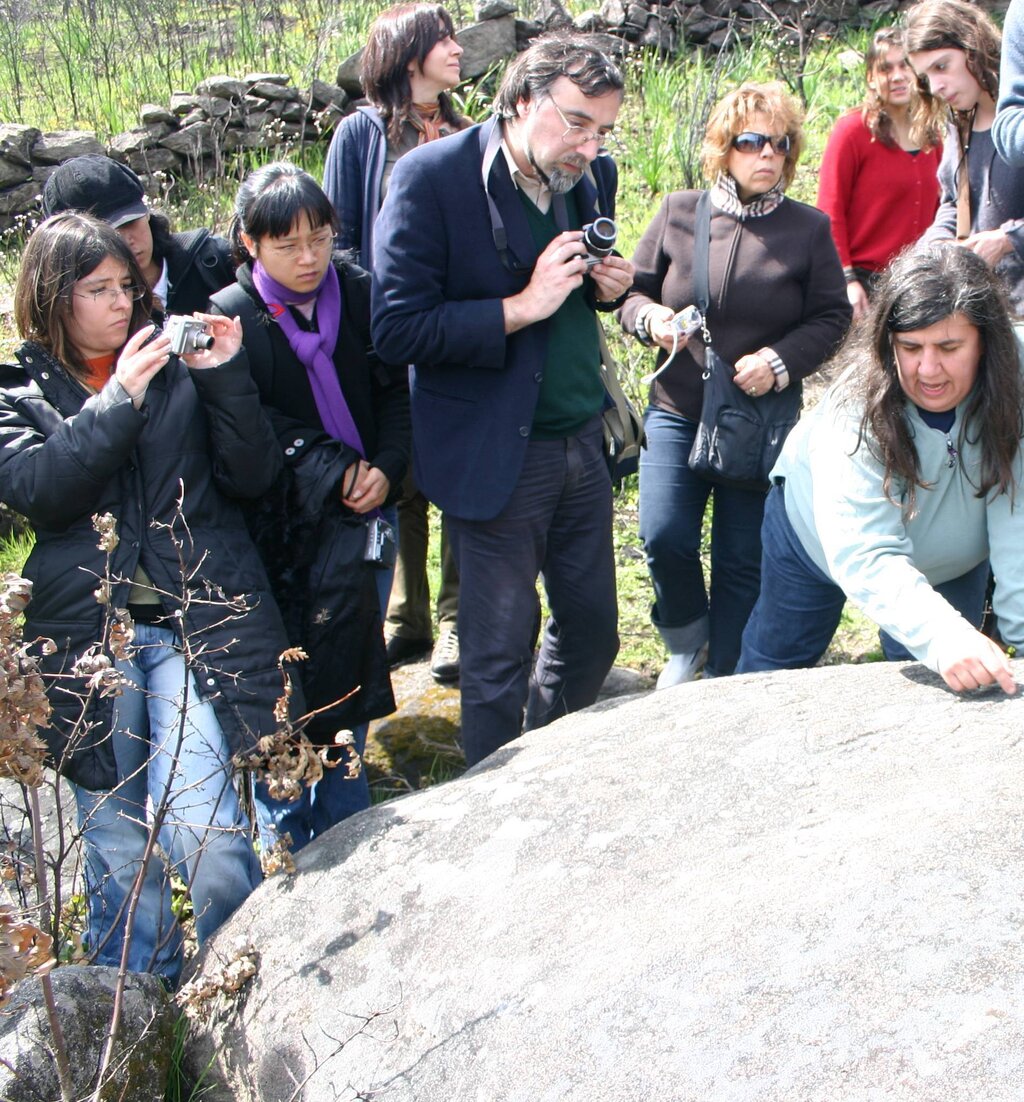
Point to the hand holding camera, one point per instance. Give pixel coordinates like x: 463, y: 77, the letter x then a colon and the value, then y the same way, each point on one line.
x: 204, y: 340
x: 364, y: 488
x: 144, y: 354
x: 671, y: 331
x: 612, y: 274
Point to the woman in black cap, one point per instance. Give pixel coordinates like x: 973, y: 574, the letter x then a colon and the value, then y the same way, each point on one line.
x: 182, y: 269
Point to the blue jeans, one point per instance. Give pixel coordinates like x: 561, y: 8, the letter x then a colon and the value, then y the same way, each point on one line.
x: 336, y: 796
x: 672, y: 504
x: 799, y: 608
x: 557, y: 523
x: 170, y: 749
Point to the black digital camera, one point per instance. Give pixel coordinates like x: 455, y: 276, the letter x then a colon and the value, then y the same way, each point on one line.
x: 599, y: 239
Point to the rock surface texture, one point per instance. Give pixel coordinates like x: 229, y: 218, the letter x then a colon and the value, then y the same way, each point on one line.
x: 85, y: 1002
x: 798, y: 886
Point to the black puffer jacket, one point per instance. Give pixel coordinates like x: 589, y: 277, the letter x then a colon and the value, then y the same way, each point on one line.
x: 66, y: 455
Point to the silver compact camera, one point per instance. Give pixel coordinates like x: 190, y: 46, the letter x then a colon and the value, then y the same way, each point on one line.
x: 687, y: 321
x: 187, y: 335
x: 599, y: 239
x: 380, y: 543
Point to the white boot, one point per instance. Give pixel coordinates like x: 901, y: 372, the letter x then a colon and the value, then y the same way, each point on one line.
x: 682, y: 668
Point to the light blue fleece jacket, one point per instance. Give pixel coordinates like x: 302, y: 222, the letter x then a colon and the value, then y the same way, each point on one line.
x: 885, y: 562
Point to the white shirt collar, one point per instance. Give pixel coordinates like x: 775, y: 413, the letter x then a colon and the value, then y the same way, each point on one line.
x: 533, y: 187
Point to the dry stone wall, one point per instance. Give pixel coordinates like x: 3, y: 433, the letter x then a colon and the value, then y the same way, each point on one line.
x: 196, y: 132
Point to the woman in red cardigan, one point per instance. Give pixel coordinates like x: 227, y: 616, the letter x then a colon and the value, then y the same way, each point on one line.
x: 878, y: 180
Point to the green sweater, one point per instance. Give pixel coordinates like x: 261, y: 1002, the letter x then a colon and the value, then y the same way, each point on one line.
x: 571, y: 391
x: 885, y: 563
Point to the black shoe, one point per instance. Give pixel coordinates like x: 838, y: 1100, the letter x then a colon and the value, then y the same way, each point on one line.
x: 401, y: 649
x: 444, y: 662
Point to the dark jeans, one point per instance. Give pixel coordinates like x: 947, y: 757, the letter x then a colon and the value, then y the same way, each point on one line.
x: 799, y: 608
x: 558, y: 523
x: 672, y: 504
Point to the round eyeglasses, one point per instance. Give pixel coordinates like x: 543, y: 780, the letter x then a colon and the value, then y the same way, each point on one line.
x: 579, y: 135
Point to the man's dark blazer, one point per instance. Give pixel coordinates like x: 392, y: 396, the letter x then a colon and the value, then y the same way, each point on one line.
x: 438, y: 285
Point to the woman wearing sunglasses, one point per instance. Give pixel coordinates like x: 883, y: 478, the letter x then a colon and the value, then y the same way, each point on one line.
x: 777, y: 308
x: 954, y: 49
x: 878, y: 175
x: 97, y: 416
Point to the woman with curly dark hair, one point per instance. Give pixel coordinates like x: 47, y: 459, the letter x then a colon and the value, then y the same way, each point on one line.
x: 878, y: 180
x: 897, y: 490
x: 954, y: 49
x: 409, y: 66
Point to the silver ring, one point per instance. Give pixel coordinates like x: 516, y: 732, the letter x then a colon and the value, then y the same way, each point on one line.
x: 752, y: 390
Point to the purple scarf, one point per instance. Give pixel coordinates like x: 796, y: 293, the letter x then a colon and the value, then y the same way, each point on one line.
x: 315, y: 350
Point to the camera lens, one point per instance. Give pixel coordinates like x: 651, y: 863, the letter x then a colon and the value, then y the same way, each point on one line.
x: 201, y: 341
x: 599, y: 236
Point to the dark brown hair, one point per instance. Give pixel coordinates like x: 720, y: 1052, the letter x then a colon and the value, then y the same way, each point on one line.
x: 64, y: 249
x: 578, y: 57
x: 399, y: 37
x: 917, y: 291
x: 270, y: 201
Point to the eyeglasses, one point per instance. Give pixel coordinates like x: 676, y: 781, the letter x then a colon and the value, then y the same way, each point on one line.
x: 579, y: 135
x: 750, y: 142
x: 110, y: 295
x: 318, y: 244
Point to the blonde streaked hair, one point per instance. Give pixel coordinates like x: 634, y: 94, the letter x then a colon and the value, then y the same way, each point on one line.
x: 732, y: 115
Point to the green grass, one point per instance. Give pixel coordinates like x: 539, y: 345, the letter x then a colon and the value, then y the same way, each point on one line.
x: 14, y: 551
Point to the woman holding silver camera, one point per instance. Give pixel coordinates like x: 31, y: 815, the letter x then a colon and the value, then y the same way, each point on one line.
x: 342, y: 418
x: 98, y: 417
x: 777, y: 307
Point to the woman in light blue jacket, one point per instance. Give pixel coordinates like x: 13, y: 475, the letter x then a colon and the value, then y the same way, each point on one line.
x: 902, y: 485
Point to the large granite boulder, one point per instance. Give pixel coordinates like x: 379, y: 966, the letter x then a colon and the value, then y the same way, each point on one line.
x: 799, y: 886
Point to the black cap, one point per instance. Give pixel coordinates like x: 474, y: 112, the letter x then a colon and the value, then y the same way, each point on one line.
x: 96, y: 185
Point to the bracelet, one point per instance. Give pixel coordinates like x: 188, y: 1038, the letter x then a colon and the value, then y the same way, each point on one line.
x: 640, y: 329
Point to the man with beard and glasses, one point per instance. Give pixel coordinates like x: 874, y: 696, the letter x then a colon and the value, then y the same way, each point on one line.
x: 480, y: 282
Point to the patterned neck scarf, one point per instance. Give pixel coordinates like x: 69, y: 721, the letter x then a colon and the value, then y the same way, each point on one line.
x: 426, y: 119
x: 725, y: 196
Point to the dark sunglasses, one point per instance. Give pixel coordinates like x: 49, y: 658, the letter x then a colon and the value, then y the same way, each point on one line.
x: 749, y: 142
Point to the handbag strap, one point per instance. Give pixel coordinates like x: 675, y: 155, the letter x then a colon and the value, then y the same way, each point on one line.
x: 701, y: 258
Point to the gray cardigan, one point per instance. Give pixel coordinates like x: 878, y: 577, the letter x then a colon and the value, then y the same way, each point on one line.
x: 997, y: 202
